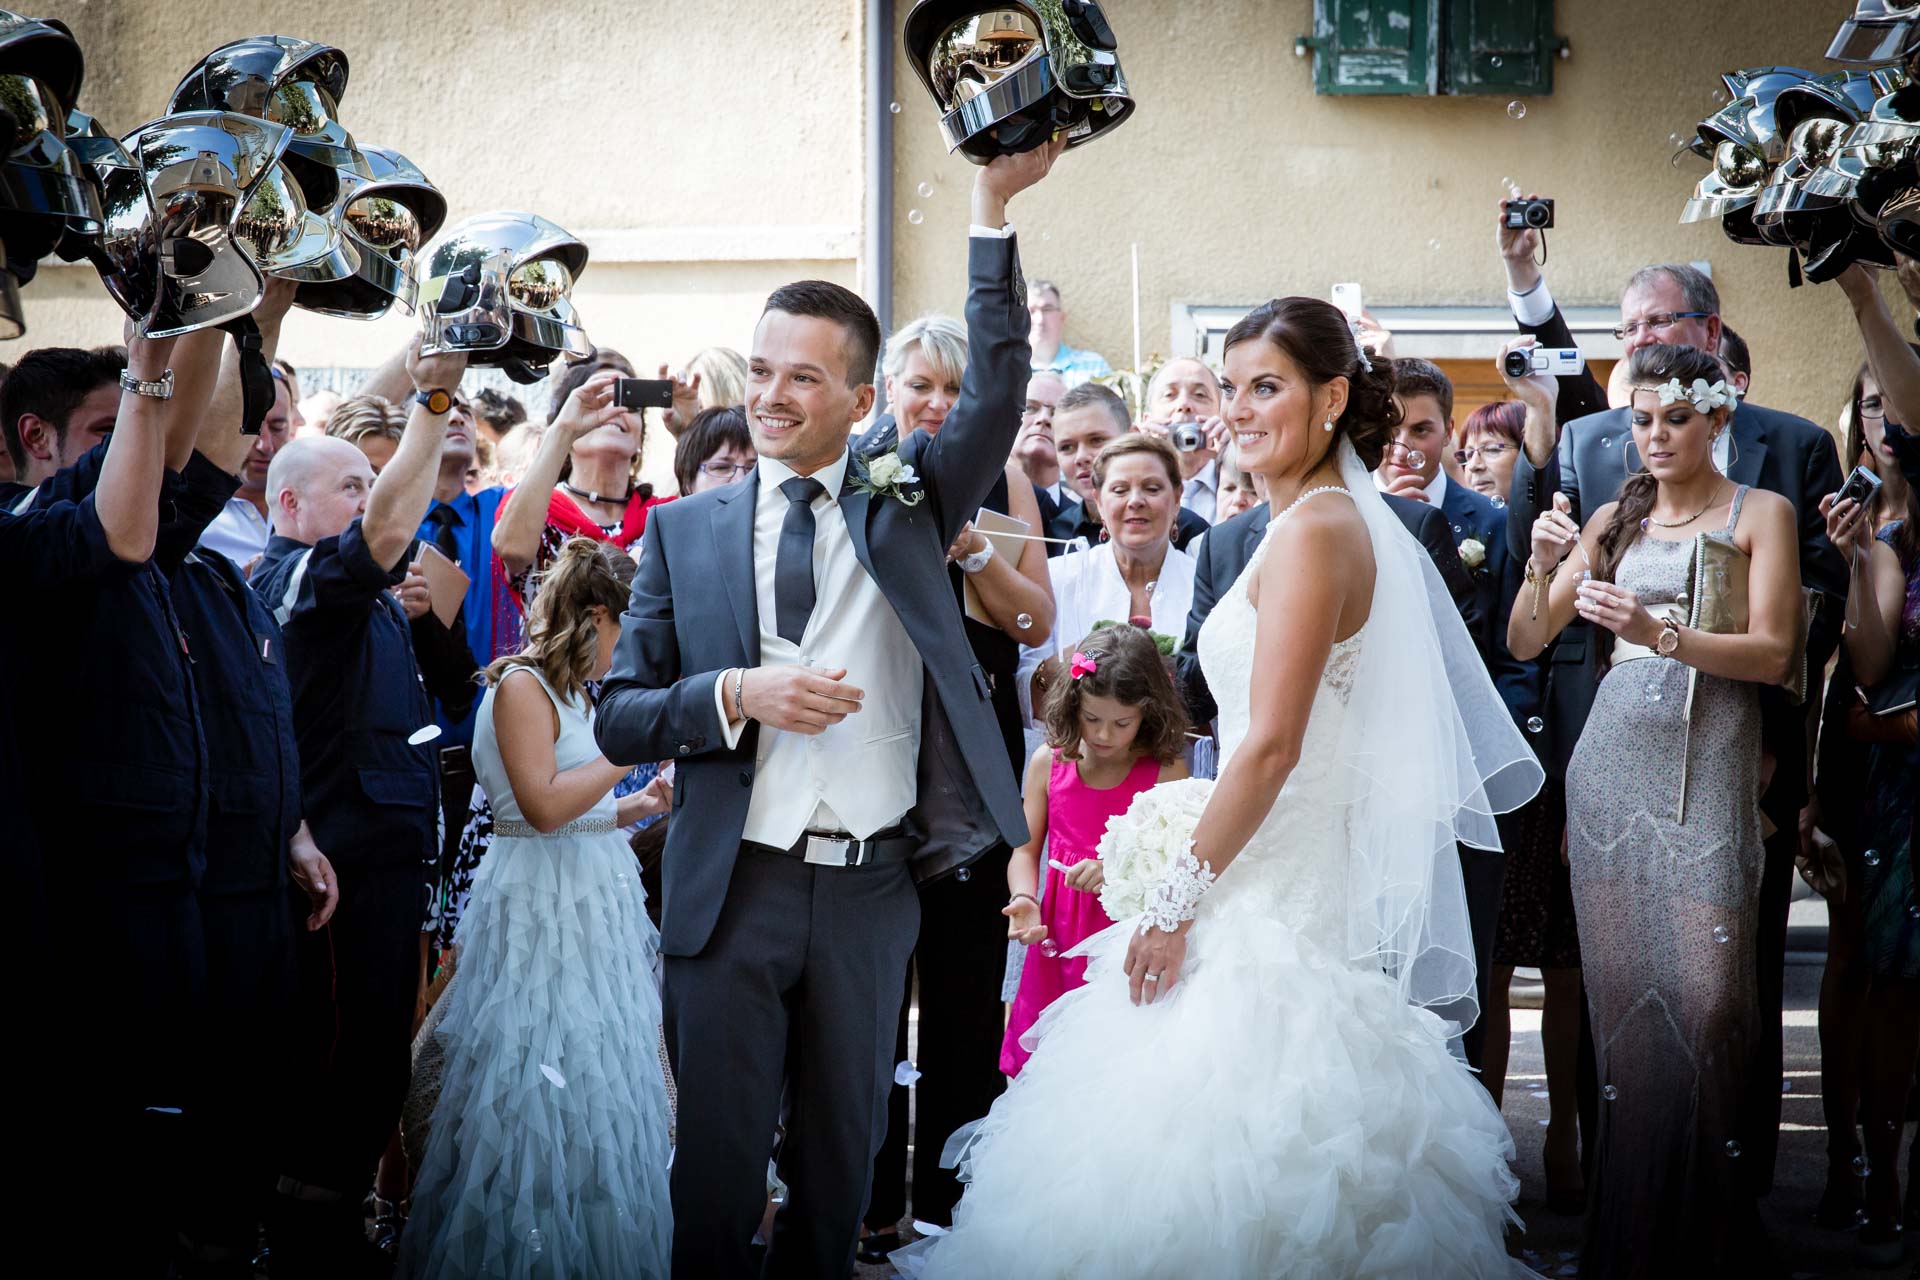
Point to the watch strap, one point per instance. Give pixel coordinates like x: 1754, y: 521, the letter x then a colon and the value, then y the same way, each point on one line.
x: 160, y: 388
x: 978, y: 560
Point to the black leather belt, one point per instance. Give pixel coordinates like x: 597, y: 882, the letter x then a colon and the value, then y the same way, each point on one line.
x: 843, y: 849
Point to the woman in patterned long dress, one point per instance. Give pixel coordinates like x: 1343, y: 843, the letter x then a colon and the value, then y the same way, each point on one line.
x: 1882, y: 640
x: 1663, y: 812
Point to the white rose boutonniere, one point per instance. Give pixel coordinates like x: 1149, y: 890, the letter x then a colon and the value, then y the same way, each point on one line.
x: 1473, y: 553
x: 887, y: 475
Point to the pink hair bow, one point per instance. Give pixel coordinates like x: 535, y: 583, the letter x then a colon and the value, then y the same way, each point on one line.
x: 1083, y: 665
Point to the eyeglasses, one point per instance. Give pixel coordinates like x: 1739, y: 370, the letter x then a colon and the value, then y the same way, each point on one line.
x: 726, y: 471
x: 1873, y: 407
x: 1488, y: 452
x: 1044, y: 308
x: 1658, y: 320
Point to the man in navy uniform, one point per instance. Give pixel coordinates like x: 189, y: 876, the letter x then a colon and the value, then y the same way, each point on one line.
x: 369, y: 789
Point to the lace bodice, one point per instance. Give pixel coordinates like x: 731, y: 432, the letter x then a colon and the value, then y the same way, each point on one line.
x: 1300, y: 850
x: 574, y: 747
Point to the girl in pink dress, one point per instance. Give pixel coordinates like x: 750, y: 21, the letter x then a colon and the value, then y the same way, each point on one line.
x: 1115, y: 727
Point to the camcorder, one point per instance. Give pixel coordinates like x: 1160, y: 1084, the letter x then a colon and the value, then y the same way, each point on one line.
x: 1561, y: 362
x: 1522, y: 215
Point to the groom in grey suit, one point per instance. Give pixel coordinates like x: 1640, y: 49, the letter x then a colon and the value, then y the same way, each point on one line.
x: 794, y: 644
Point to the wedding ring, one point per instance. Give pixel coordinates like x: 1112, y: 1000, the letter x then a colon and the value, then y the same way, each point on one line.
x: 1153, y: 977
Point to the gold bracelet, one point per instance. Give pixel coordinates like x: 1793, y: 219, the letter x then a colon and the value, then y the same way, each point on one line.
x: 1539, y: 582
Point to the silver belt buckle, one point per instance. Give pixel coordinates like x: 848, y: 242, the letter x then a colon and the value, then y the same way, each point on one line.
x: 823, y: 851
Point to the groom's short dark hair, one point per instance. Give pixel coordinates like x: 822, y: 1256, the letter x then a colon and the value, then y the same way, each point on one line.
x: 845, y: 308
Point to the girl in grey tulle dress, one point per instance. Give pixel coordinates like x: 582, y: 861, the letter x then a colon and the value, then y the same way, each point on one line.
x: 548, y: 1149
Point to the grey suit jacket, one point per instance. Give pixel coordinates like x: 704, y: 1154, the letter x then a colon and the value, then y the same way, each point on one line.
x: 1230, y: 544
x: 693, y: 615
x: 1772, y: 450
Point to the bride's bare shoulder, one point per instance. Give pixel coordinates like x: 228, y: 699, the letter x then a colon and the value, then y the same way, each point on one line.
x: 1324, y: 539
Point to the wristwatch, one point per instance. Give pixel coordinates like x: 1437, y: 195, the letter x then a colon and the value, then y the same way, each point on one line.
x: 1669, y: 638
x: 437, y: 400
x: 977, y: 561
x: 160, y: 389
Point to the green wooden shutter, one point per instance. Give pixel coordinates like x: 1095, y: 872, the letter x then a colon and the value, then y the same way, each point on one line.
x: 1376, y: 46
x: 1426, y: 47
x: 1501, y: 46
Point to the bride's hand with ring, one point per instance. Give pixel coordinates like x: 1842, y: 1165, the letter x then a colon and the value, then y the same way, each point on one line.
x: 1154, y: 957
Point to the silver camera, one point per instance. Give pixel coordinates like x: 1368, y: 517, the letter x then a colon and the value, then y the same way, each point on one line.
x: 1188, y: 437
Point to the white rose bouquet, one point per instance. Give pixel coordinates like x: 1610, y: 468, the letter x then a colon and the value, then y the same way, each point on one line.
x: 1140, y: 845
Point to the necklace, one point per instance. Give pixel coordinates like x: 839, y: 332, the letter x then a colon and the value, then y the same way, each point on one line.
x: 591, y: 496
x: 1712, y: 502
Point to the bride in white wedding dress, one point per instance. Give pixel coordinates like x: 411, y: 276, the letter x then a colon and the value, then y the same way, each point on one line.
x: 1254, y: 1081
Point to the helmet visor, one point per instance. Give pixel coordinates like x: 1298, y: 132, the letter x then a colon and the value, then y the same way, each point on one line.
x: 1879, y: 31
x: 979, y: 51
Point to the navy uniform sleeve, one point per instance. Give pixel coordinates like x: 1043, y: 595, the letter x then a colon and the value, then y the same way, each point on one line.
x: 334, y: 573
x: 199, y: 493
x: 53, y: 545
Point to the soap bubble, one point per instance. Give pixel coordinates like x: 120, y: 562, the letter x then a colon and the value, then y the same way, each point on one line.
x: 1719, y: 97
x: 1516, y: 110
x: 894, y: 107
x: 1913, y: 911
x: 926, y: 190
x: 1733, y: 1149
x: 1049, y: 948
x: 963, y: 875
x: 1871, y: 857
x: 1023, y: 621
x: 1720, y: 934
x: 1535, y: 724
x: 1609, y: 1092
x: 536, y: 1243
x: 1434, y: 245
x: 1861, y: 1167
x: 1497, y: 61
x: 915, y: 217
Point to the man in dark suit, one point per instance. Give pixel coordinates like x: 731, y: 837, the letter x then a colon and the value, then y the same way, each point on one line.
x: 1588, y: 462
x: 836, y: 744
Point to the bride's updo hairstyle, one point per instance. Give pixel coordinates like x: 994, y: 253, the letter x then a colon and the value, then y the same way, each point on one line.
x: 562, y: 640
x: 1315, y: 335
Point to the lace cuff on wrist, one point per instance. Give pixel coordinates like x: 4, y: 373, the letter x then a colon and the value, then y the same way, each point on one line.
x: 1177, y: 898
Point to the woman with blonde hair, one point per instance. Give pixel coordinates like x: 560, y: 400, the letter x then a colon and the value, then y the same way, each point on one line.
x: 548, y: 1149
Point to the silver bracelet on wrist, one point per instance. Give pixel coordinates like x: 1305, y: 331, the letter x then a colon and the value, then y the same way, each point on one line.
x: 739, y: 688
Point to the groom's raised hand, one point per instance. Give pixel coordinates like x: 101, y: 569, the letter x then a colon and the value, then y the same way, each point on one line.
x: 1004, y: 177
x: 796, y: 699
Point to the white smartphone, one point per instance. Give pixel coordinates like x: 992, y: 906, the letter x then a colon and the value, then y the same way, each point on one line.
x: 1347, y: 298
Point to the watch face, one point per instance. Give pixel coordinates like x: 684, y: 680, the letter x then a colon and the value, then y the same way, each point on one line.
x: 437, y: 401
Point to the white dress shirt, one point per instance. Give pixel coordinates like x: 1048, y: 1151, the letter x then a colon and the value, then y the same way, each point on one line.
x: 239, y: 532
x: 1088, y: 588
x: 861, y: 775
x: 1201, y: 495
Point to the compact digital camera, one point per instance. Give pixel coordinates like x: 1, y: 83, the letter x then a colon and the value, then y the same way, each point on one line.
x: 1524, y: 214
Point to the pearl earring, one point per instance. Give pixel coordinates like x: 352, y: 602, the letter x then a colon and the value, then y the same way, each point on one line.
x: 1327, y: 425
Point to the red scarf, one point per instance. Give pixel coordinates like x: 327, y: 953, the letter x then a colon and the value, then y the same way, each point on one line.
x: 565, y: 515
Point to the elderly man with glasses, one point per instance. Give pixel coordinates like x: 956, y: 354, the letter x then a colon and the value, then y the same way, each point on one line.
x: 1587, y: 458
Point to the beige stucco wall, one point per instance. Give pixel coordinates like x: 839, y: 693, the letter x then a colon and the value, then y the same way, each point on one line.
x: 705, y: 152
x: 1238, y: 183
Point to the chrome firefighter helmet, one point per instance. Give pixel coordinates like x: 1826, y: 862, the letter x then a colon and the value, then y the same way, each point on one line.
x: 44, y: 188
x: 1878, y: 31
x: 387, y: 218
x: 1744, y: 143
x: 1800, y: 206
x: 1007, y: 77
x: 499, y: 286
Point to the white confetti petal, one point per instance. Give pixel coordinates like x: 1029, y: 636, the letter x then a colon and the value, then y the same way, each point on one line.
x: 422, y: 736
x: 904, y: 1074
x: 554, y: 1078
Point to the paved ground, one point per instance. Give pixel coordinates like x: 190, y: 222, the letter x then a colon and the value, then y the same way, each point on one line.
x: 1806, y: 1251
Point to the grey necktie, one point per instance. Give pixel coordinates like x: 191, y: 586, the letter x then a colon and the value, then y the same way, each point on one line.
x: 793, y: 566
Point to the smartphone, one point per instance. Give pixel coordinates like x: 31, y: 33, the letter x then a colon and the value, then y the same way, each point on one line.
x: 643, y: 393
x: 1347, y: 298
x: 1861, y: 486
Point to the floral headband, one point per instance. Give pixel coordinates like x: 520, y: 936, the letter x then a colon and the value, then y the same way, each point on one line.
x: 1704, y: 398
x: 1083, y: 665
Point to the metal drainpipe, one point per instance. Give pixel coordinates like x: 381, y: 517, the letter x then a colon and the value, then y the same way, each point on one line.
x: 879, y: 202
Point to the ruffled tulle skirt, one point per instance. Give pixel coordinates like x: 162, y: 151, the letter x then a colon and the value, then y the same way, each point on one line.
x: 548, y: 1151
x: 1280, y: 1113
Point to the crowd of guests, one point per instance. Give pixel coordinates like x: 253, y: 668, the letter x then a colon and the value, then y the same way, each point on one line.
x: 297, y: 638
